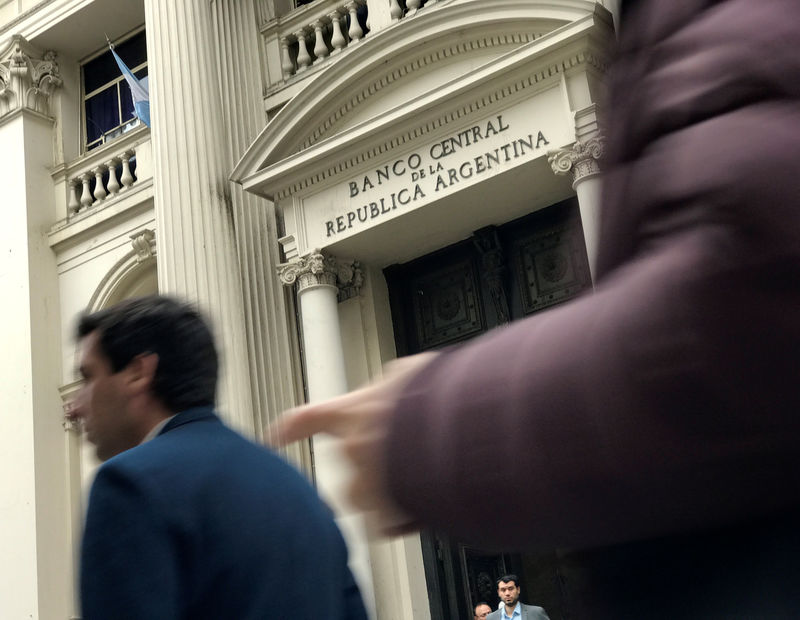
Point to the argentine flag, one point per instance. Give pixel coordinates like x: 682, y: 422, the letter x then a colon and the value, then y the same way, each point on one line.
x: 139, y: 90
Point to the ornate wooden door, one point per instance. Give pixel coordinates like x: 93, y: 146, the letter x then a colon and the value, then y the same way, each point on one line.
x: 498, y: 275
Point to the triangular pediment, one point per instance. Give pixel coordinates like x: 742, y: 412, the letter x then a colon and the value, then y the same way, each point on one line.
x: 412, y: 77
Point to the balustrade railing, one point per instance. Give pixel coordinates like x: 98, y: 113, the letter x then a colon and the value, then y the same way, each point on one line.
x: 105, y: 173
x: 399, y: 8
x: 320, y: 30
x: 101, y: 182
x: 315, y: 32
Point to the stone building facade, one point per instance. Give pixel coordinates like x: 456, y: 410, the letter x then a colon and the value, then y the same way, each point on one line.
x: 334, y: 182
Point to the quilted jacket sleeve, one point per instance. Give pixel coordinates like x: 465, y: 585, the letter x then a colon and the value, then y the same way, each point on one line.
x: 668, y: 398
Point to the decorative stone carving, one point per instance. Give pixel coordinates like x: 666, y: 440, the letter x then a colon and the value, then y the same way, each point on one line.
x: 551, y: 266
x: 68, y: 394
x: 144, y: 244
x: 582, y: 160
x: 493, y: 269
x: 446, y: 304
x: 27, y: 77
x: 350, y: 279
x: 69, y: 422
x: 317, y: 269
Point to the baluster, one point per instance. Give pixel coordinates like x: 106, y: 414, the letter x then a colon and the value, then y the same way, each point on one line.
x: 127, y: 178
x: 286, y: 59
x: 320, y: 47
x: 337, y: 39
x: 412, y: 5
x: 99, y: 191
x: 73, y: 206
x: 355, y: 31
x: 113, y: 184
x: 86, y: 195
x: 303, y: 57
x: 395, y: 10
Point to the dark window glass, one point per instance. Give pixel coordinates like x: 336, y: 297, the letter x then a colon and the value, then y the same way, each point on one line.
x: 102, y: 113
x: 104, y: 68
x: 108, y: 105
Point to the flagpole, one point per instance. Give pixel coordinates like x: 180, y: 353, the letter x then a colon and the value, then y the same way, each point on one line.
x: 110, y: 44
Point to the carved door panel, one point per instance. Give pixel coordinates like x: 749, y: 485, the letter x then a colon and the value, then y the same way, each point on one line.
x: 498, y: 275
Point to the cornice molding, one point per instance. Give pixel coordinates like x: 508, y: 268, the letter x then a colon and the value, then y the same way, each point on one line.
x: 511, y: 90
x: 412, y: 65
x: 309, y: 117
x: 515, y: 76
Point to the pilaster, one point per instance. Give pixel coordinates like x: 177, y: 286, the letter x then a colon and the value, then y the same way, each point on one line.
x: 195, y: 224
x: 36, y: 572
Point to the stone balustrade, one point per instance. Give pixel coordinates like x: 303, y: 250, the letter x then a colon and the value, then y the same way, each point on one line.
x: 400, y: 8
x: 311, y: 34
x: 104, y: 173
x: 98, y: 183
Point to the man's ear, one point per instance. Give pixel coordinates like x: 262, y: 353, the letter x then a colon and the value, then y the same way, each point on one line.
x: 140, y: 373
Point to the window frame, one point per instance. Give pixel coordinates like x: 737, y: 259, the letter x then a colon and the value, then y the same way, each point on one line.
x: 123, y: 126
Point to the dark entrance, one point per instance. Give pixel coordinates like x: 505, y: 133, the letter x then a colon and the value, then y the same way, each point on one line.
x: 498, y: 275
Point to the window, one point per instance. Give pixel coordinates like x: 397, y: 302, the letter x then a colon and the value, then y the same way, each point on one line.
x: 107, y: 103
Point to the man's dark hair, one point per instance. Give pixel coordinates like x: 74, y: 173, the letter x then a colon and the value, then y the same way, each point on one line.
x: 507, y: 579
x: 186, y: 375
x: 478, y: 604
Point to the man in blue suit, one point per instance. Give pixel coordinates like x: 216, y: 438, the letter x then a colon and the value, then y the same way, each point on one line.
x: 186, y: 518
x: 510, y: 608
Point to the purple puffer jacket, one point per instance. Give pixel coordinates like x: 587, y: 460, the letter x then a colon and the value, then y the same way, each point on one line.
x: 668, y: 401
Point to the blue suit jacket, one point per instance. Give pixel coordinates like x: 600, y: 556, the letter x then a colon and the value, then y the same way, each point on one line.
x: 201, y: 523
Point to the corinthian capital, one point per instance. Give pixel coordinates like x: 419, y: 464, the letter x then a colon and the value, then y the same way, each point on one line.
x: 581, y: 160
x: 317, y: 270
x: 27, y: 77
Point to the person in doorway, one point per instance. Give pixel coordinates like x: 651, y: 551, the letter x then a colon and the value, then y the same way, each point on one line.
x: 652, y: 423
x: 178, y: 525
x: 510, y: 607
x: 481, y: 610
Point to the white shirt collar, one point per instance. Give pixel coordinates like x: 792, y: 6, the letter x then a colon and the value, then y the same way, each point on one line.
x: 156, y: 430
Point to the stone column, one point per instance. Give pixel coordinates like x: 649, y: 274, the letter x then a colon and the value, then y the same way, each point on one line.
x: 36, y: 571
x: 270, y: 354
x: 194, y: 212
x: 317, y: 293
x: 582, y: 162
x: 319, y: 280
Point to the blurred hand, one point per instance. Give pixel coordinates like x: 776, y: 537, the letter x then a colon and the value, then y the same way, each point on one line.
x: 360, y: 420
